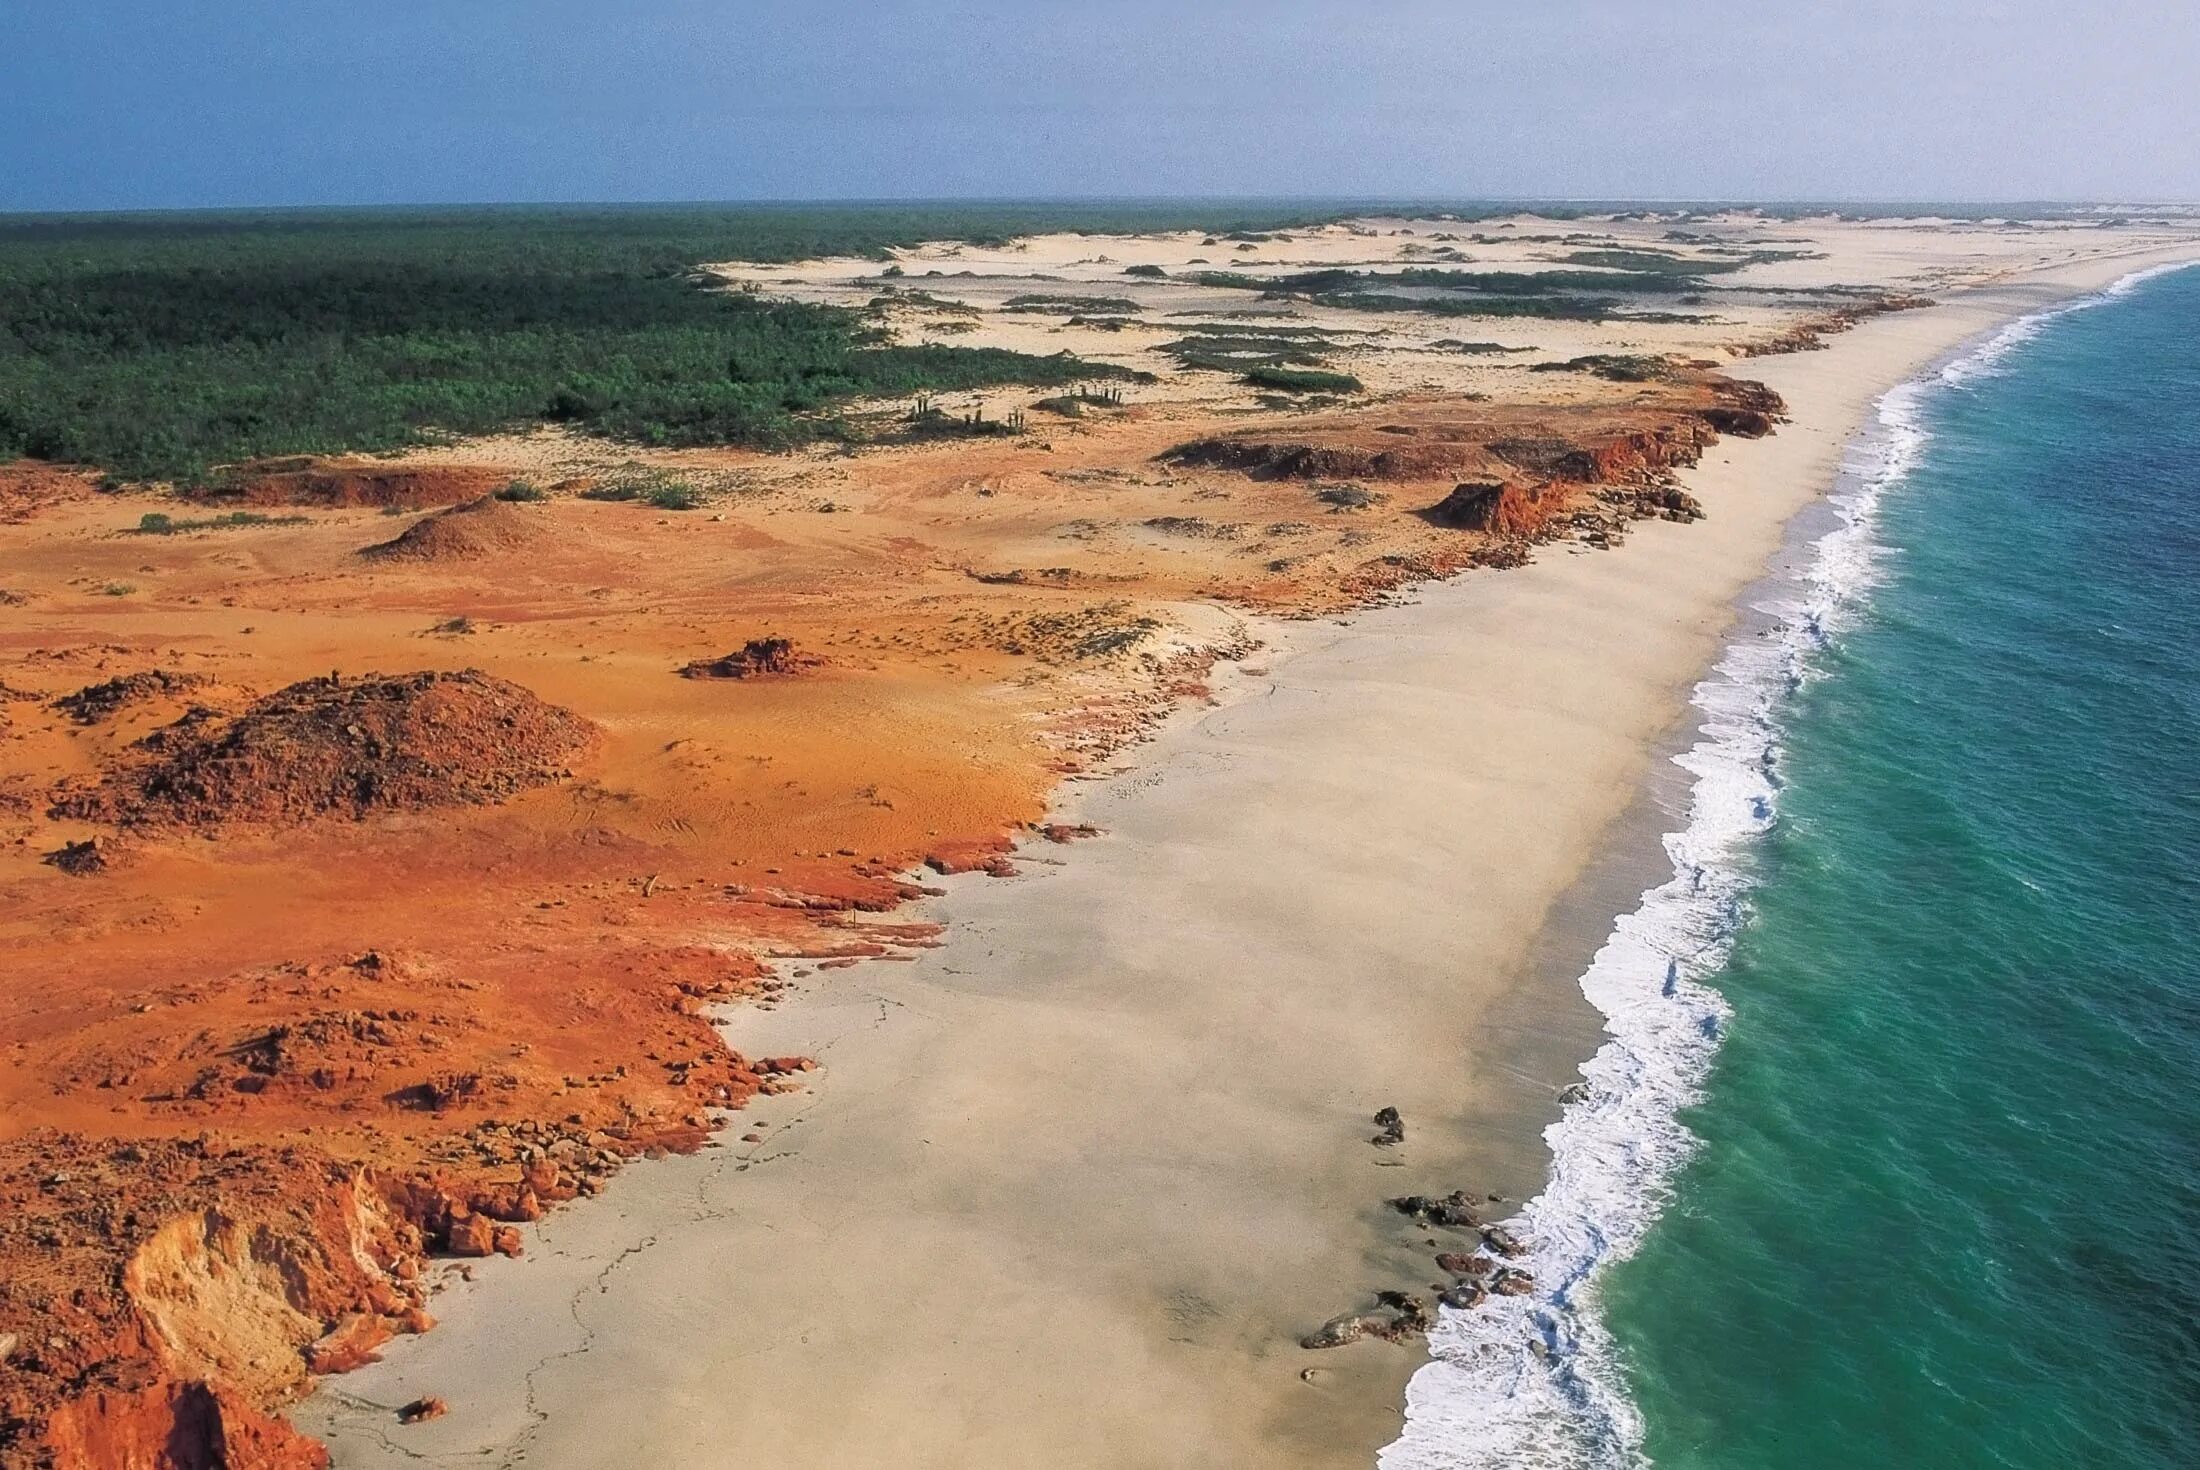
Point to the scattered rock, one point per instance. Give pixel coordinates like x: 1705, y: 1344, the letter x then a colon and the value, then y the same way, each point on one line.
x: 1339, y: 1331
x: 1404, y: 1316
x: 1348, y: 497
x: 1454, y: 1210
x: 1410, y: 1316
x: 421, y: 1410
x: 96, y: 702
x: 472, y: 1235
x: 1464, y: 1295
x: 352, y: 1343
x: 1393, y: 1128
x: 1195, y: 527
x: 1509, y: 1282
x: 82, y: 859
x: 1503, y: 1241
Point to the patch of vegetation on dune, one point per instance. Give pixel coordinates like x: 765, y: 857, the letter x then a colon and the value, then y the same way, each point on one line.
x: 1340, y: 280
x: 1234, y: 353
x: 1545, y: 308
x: 1302, y: 380
x: 1614, y: 367
x: 657, y: 489
x: 1653, y: 263
x: 1044, y: 303
x: 1717, y: 260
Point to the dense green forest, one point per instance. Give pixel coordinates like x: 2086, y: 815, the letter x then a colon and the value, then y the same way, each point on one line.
x: 162, y: 346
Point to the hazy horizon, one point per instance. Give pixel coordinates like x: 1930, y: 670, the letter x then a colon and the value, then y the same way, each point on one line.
x: 128, y: 105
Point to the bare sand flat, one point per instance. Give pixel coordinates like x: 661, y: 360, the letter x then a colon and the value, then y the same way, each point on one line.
x: 1068, y: 1189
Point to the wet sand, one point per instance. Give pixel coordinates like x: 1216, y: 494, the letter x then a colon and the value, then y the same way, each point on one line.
x: 1068, y: 1189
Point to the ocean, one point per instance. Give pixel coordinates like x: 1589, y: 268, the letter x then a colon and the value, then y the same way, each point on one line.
x: 1893, y: 1155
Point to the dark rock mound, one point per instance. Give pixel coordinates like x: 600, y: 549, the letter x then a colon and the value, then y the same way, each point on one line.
x: 82, y: 859
x: 757, y: 659
x: 96, y: 702
x: 466, y: 532
x: 358, y: 747
x: 1742, y: 423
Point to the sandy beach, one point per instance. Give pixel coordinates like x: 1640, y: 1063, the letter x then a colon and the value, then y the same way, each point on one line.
x: 1068, y: 1189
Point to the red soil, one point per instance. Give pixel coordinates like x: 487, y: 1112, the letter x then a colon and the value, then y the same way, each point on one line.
x: 257, y: 1063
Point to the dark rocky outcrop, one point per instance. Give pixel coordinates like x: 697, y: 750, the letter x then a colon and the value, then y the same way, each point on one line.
x: 1454, y: 1211
x: 759, y: 658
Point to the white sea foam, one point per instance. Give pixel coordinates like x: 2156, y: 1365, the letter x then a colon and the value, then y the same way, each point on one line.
x: 1533, y: 1382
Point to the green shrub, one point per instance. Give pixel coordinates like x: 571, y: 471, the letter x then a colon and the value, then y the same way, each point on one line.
x: 159, y: 523
x: 1301, y: 380
x: 1151, y: 272
x: 1617, y: 367
x: 678, y: 495
x: 521, y: 490
x: 1041, y: 302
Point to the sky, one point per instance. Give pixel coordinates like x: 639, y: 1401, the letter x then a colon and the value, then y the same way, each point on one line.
x: 130, y: 104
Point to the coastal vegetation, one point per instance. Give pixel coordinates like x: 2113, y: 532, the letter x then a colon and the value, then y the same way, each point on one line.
x: 162, y: 347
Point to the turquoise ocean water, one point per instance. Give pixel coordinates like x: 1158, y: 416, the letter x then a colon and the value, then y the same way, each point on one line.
x: 1893, y: 1158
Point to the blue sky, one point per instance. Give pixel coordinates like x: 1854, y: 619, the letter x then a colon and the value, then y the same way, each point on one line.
x: 165, y: 103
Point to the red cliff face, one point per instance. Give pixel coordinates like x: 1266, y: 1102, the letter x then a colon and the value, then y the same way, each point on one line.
x: 174, y: 1426
x: 1668, y: 427
x: 326, y: 483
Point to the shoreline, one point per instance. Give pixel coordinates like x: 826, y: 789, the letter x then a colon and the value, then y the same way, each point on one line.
x: 1540, y: 1378
x: 947, y: 1271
